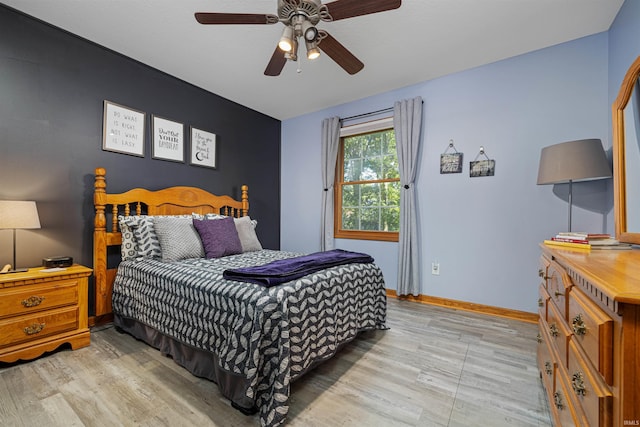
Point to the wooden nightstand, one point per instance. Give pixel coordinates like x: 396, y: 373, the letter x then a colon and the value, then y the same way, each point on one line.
x: 39, y: 311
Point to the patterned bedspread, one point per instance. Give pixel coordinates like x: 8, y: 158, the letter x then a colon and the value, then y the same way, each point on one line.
x: 265, y: 336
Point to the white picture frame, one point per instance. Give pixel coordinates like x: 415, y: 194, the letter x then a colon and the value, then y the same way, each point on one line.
x: 123, y: 129
x: 203, y: 148
x: 168, y: 139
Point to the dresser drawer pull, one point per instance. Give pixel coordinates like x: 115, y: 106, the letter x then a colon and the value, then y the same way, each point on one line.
x: 539, y: 338
x: 540, y: 302
x: 579, y: 328
x: 577, y: 382
x: 553, y: 329
x: 32, y: 301
x: 557, y: 400
x: 558, y: 294
x: 34, y: 329
x: 548, y: 368
x: 541, y: 274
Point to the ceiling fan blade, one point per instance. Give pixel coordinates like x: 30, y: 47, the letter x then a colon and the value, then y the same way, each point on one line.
x: 235, y: 18
x: 340, y: 54
x: 276, y: 64
x: 342, y: 9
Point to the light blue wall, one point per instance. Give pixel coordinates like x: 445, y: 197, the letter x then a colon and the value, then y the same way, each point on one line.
x: 624, y: 44
x: 484, y: 232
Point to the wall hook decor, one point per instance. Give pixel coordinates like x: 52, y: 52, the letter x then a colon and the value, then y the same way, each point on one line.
x: 450, y: 162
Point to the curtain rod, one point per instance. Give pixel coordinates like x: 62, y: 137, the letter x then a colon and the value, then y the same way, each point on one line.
x: 372, y: 113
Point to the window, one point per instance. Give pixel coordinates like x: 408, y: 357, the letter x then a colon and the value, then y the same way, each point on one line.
x: 367, y: 196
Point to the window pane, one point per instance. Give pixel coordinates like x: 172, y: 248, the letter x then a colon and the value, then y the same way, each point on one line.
x: 372, y: 169
x: 350, y: 218
x: 390, y: 194
x: 372, y: 144
x: 350, y: 195
x: 390, y: 219
x: 352, y: 170
x: 370, y: 219
x: 370, y: 194
x: 352, y: 148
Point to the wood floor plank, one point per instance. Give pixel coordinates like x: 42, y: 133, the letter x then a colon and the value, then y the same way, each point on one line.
x: 434, y: 367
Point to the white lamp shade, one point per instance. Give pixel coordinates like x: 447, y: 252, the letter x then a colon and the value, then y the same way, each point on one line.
x: 581, y: 160
x: 18, y: 214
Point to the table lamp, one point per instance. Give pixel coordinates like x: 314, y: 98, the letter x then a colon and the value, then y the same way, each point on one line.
x: 568, y: 162
x: 17, y: 215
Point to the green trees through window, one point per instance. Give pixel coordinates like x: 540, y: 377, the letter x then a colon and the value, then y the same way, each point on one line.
x: 368, y: 185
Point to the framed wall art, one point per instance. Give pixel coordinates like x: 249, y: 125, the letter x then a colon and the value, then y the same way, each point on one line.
x: 450, y: 162
x: 203, y: 148
x: 168, y: 139
x: 123, y: 129
x: 485, y: 167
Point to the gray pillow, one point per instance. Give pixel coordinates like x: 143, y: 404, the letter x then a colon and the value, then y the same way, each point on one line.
x: 178, y: 238
x: 129, y: 246
x: 246, y: 228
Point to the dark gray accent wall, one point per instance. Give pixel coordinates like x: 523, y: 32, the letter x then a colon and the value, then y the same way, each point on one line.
x: 52, y: 88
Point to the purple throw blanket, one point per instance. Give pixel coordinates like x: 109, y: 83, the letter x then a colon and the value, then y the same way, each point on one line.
x: 285, y: 270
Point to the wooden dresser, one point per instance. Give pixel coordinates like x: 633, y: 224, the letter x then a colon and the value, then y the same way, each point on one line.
x: 589, y: 337
x: 39, y: 311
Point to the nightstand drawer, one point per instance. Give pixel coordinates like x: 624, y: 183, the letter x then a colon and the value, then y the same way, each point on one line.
x: 38, y: 325
x: 27, y: 299
x: 593, y: 330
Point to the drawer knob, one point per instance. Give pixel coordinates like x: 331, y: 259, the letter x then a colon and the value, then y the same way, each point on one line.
x: 548, y: 368
x: 579, y: 328
x: 577, y: 382
x: 558, y: 294
x: 539, y: 338
x: 540, y: 302
x: 557, y: 400
x: 34, y: 329
x: 32, y: 301
x: 553, y: 329
x: 541, y: 274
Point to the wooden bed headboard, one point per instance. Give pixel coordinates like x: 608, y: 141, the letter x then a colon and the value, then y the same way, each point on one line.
x: 138, y: 201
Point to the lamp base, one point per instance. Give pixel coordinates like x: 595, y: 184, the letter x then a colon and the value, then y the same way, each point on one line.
x: 19, y: 270
x: 7, y: 269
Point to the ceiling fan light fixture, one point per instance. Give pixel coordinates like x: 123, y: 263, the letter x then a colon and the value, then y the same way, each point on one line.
x: 312, y: 50
x: 309, y: 32
x: 286, y: 41
x: 292, y: 54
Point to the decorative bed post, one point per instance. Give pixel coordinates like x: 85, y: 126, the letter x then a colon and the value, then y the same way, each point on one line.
x: 102, y: 294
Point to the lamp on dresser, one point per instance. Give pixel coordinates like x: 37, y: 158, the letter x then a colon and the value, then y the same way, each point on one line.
x: 573, y: 161
x: 14, y: 215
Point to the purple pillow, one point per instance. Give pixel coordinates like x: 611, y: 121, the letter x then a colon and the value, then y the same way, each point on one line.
x: 219, y: 237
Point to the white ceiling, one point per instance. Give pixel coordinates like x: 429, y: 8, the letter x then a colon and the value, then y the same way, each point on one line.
x: 421, y: 40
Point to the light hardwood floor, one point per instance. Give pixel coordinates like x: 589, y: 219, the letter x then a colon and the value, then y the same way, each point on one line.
x: 433, y: 367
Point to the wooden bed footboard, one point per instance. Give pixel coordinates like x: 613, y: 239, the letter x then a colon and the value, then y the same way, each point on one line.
x: 178, y: 200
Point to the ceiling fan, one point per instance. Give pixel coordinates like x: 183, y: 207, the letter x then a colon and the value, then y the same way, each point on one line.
x: 300, y: 18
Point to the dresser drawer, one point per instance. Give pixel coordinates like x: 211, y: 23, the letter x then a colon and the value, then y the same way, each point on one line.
x: 37, y: 325
x: 593, y: 330
x: 589, y: 388
x: 543, y: 302
x: 558, y: 332
x: 546, y: 363
x: 26, y: 299
x: 558, y: 285
x: 543, y: 269
x: 565, y: 409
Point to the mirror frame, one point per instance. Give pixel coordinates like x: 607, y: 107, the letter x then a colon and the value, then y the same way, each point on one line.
x: 619, y: 177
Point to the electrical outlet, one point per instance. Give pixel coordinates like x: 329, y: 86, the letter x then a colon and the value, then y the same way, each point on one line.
x: 435, y: 268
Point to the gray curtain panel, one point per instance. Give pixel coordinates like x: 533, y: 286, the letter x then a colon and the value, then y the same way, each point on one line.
x: 330, y: 143
x: 407, y: 123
